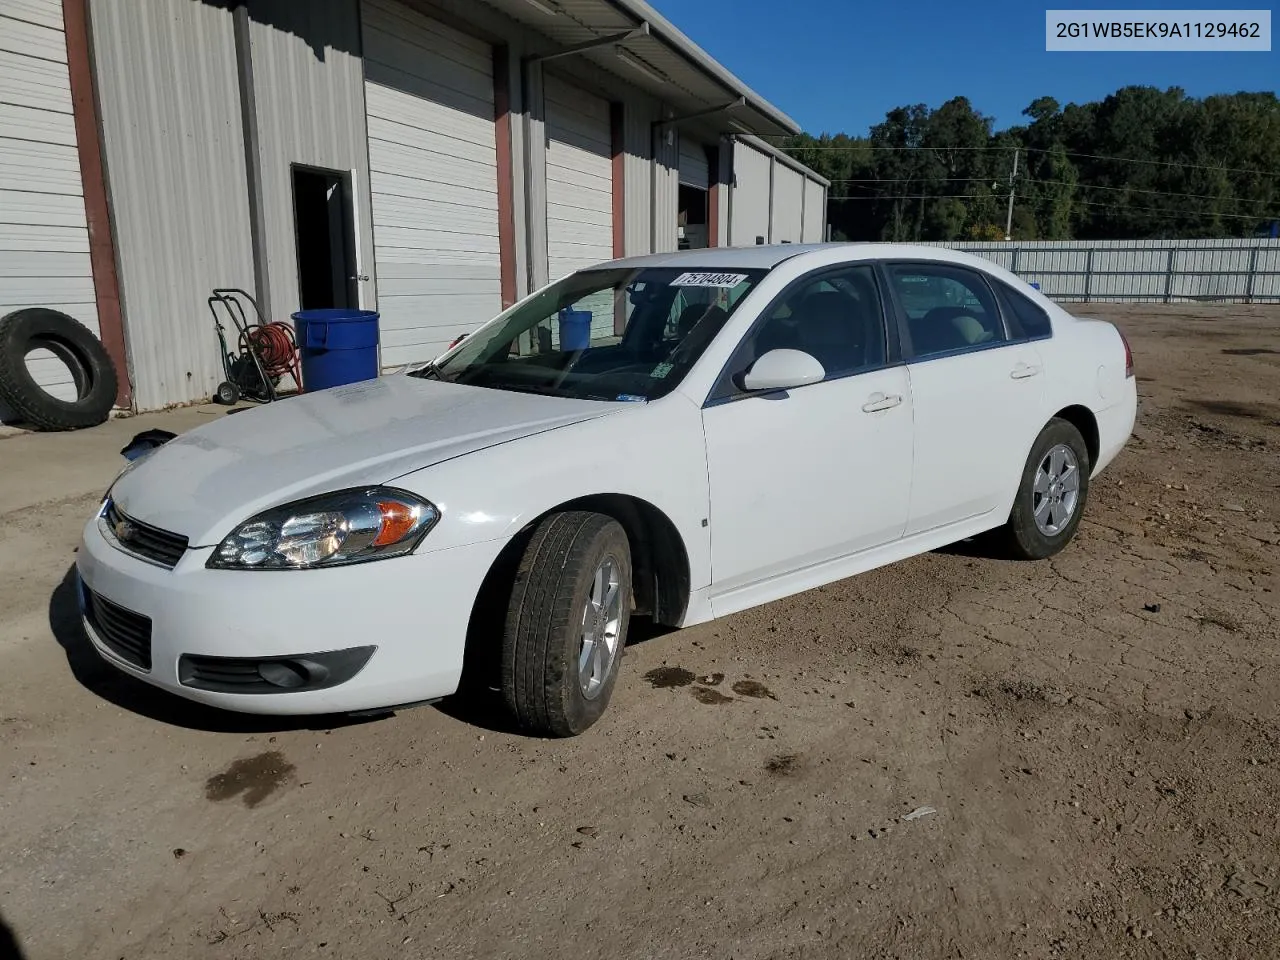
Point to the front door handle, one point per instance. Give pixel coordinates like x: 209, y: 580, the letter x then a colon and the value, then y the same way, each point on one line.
x: 1023, y: 370
x: 880, y: 401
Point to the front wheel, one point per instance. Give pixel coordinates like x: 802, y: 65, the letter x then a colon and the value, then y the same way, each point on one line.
x: 567, y: 623
x: 1051, y: 497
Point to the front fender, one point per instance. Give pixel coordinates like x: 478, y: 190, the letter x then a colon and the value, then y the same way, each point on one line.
x: 655, y: 453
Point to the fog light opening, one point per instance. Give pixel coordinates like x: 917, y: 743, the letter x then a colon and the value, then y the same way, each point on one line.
x: 284, y: 673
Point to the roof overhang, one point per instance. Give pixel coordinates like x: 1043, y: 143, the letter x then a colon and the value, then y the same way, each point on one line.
x: 631, y: 40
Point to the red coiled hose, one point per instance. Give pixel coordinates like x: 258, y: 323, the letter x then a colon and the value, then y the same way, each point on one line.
x: 276, y: 348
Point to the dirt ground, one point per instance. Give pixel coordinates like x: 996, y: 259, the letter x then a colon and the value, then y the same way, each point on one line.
x: 1096, y: 735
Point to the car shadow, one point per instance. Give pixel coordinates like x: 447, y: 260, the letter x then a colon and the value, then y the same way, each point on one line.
x: 479, y: 702
x: 129, y: 693
x: 9, y: 947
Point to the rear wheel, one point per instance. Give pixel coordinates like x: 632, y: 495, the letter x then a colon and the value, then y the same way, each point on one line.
x: 567, y: 623
x: 1051, y: 497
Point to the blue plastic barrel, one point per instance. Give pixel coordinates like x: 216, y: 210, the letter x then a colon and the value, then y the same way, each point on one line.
x: 575, y: 329
x: 336, y: 346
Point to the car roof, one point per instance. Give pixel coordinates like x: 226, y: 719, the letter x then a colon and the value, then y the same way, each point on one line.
x: 768, y: 256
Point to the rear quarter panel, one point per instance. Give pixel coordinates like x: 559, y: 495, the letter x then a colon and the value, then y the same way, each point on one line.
x: 1085, y: 366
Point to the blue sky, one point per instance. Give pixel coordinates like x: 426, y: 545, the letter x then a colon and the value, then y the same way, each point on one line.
x: 838, y: 65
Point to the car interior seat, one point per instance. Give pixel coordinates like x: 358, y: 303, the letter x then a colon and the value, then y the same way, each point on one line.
x: 949, y: 328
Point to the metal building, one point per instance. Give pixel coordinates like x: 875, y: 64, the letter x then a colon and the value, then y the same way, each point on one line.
x: 434, y: 160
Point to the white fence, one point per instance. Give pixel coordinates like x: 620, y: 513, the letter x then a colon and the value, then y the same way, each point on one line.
x: 1246, y: 271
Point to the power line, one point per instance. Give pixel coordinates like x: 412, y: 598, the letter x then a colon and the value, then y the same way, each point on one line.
x: 920, y: 196
x: 1158, y: 211
x: 1161, y: 163
x: 1006, y: 148
x: 1171, y: 213
x: 919, y: 180
x: 1158, y: 193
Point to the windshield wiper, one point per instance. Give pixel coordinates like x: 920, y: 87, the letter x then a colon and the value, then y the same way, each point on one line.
x: 431, y: 371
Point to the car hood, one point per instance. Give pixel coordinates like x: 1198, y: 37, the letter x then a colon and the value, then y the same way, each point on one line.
x: 203, y: 483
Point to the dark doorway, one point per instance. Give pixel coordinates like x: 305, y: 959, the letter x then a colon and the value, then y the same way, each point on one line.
x: 692, y: 220
x: 325, y: 237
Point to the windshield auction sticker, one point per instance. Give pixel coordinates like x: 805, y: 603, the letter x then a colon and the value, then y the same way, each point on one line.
x: 1122, y: 31
x: 719, y: 280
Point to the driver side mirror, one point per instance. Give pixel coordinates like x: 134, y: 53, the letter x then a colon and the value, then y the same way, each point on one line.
x: 782, y: 370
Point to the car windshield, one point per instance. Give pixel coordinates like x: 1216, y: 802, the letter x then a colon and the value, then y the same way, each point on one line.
x: 614, y: 334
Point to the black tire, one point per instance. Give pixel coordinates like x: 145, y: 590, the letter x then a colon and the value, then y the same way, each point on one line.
x: 1020, y: 537
x: 228, y: 393
x: 542, y: 637
x: 75, y: 345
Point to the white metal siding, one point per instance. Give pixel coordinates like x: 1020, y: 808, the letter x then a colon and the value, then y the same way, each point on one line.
x: 750, y: 215
x: 694, y: 169
x: 815, y: 212
x: 309, y: 111
x: 788, y: 204
x: 637, y: 177
x: 433, y: 170
x: 174, y: 149
x: 44, y: 240
x: 666, y: 191
x: 579, y: 178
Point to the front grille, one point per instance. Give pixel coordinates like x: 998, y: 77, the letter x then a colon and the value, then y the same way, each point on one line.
x: 143, y: 540
x: 128, y: 634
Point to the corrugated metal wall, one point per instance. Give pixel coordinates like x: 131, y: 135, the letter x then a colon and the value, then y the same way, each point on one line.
x: 172, y: 139
x: 637, y: 178
x: 1141, y: 270
x: 788, y: 205
x: 309, y: 98
x: 750, y: 215
x: 815, y: 212
x: 666, y: 189
x: 44, y: 241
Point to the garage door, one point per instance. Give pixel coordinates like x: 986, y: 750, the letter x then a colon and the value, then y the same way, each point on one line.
x: 433, y: 175
x: 44, y: 239
x: 579, y: 178
x: 694, y: 169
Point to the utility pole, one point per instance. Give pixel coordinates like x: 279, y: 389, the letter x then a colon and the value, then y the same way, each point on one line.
x: 1008, y: 222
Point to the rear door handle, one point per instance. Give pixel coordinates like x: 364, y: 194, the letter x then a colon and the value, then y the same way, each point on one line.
x: 1024, y: 370
x: 879, y: 401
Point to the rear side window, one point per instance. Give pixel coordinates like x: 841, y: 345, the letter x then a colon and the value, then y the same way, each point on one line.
x: 948, y: 309
x: 1026, y: 319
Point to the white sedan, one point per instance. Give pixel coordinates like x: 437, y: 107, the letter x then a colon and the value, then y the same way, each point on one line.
x: 678, y: 436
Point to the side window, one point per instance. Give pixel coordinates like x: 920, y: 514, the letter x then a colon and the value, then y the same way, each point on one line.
x: 947, y: 308
x: 837, y: 318
x: 1028, y: 319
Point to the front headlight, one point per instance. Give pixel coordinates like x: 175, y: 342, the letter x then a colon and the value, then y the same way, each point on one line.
x: 350, y: 526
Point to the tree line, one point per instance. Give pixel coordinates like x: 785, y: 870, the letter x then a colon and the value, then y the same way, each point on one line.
x: 1143, y: 163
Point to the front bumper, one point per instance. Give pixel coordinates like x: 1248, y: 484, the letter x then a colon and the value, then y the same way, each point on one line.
x: 413, y: 609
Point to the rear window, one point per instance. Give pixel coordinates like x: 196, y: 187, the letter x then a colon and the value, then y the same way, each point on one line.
x: 1026, y: 319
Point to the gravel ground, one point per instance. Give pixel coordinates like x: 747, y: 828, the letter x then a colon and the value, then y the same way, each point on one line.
x: 950, y: 757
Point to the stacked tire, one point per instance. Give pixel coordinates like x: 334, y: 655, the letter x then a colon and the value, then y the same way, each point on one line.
x: 92, y: 372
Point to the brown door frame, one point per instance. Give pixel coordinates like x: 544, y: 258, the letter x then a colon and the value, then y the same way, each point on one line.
x: 102, y: 252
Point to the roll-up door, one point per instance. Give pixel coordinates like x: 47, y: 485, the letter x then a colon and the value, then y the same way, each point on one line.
x: 579, y: 178
x: 579, y: 190
x: 694, y: 170
x: 44, y: 238
x: 433, y: 178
